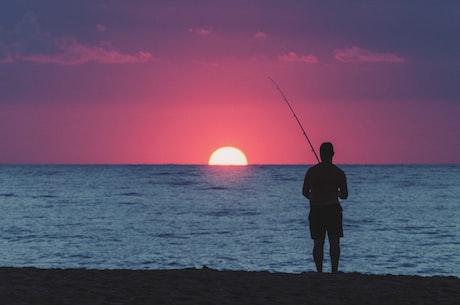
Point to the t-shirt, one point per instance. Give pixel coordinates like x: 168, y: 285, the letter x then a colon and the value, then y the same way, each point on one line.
x: 324, y: 183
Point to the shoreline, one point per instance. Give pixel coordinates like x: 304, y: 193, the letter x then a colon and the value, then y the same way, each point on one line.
x: 207, y: 286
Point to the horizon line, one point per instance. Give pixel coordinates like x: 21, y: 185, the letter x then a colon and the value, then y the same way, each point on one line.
x: 205, y: 164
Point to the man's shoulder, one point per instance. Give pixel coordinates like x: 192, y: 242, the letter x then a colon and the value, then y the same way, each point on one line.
x: 313, y: 167
x: 338, y: 169
x: 320, y: 167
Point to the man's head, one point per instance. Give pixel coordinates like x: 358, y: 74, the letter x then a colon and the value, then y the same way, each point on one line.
x: 326, y: 151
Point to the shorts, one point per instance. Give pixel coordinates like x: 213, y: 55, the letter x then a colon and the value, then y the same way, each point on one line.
x: 326, y: 219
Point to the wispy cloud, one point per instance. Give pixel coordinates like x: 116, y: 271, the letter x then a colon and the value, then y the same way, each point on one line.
x: 357, y: 54
x: 260, y: 35
x: 101, y: 27
x: 294, y: 57
x: 200, y: 31
x: 6, y: 59
x: 28, y: 42
x: 70, y: 52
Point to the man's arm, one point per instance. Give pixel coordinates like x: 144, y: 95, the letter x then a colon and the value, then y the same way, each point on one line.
x: 343, y: 191
x: 306, y: 186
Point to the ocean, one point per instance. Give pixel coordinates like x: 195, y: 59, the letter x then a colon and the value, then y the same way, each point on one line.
x: 399, y: 219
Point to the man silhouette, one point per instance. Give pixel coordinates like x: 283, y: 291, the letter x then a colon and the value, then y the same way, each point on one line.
x: 324, y: 183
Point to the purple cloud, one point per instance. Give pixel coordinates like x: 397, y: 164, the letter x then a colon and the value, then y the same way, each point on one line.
x: 101, y: 27
x: 294, y: 57
x: 357, y: 54
x: 260, y: 35
x: 200, y: 31
x: 28, y: 42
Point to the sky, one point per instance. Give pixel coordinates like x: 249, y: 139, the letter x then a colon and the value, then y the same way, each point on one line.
x: 169, y: 82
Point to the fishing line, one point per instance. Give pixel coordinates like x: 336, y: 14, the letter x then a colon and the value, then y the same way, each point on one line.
x: 296, y: 118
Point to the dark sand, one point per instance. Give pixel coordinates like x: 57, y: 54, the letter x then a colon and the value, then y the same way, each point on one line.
x: 206, y: 286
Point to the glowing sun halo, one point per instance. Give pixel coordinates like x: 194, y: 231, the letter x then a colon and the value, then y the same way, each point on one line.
x: 228, y: 156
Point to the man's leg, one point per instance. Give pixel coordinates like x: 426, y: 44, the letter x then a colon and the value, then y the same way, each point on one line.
x: 334, y: 251
x: 318, y: 254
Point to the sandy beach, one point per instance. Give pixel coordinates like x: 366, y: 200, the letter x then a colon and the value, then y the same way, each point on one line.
x: 206, y: 286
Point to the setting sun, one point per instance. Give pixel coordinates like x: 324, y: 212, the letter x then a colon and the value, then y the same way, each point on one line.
x: 228, y: 156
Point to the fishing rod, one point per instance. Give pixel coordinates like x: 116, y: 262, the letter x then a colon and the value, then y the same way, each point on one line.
x: 295, y: 116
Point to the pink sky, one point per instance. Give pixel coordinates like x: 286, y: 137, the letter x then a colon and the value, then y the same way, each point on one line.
x: 170, y: 82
